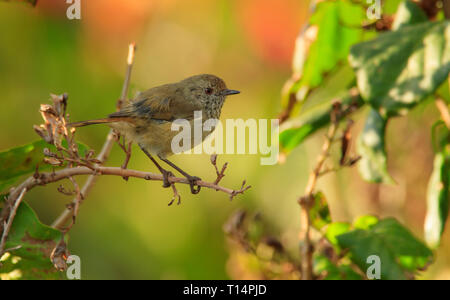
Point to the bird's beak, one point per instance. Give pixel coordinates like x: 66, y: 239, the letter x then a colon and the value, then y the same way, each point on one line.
x: 229, y: 92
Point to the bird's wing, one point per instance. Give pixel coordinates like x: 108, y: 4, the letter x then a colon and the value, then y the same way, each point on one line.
x: 164, y: 103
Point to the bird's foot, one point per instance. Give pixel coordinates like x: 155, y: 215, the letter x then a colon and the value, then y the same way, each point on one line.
x: 195, y: 189
x: 166, y: 174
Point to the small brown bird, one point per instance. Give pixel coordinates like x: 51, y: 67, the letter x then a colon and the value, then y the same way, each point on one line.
x: 147, y: 120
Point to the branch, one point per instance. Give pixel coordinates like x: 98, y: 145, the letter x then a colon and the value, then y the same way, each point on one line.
x: 8, y: 224
x: 446, y: 8
x: 49, y: 177
x: 306, y: 201
x: 107, y: 146
x: 443, y: 109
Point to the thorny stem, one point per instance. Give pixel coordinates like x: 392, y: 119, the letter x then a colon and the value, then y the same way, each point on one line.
x: 107, y: 146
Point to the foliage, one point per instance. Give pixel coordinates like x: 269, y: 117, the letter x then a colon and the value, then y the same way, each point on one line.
x: 392, y: 70
x: 324, y: 43
x: 400, y: 253
x: 437, y: 199
x: 395, y: 71
x: 36, y: 242
x: 370, y: 145
x: 24, y: 160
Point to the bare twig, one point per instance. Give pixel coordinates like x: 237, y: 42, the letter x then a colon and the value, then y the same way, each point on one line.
x: 242, y: 190
x: 446, y: 8
x: 443, y: 109
x: 220, y: 174
x: 75, y: 207
x: 107, y: 146
x: 307, y: 200
x: 7, y: 226
x: 176, y: 195
x: 286, y: 113
x: 49, y: 177
x: 345, y: 142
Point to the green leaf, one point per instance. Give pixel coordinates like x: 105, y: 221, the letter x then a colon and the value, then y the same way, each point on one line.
x: 295, y: 131
x: 365, y: 222
x: 319, y: 213
x: 334, y: 230
x: 437, y: 200
x: 444, y: 91
x: 408, y: 13
x: 370, y: 145
x: 334, y: 27
x: 324, y: 266
x: 440, y: 136
x: 37, y: 242
x: 398, y: 69
x: 399, y: 251
x: 23, y: 160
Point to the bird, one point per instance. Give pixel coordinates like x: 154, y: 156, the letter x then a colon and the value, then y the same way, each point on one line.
x: 147, y: 119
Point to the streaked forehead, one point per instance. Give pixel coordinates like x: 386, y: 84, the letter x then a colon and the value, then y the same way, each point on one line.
x: 207, y: 80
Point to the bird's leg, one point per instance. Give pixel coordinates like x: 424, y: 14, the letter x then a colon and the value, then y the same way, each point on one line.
x: 192, y: 179
x: 166, y: 174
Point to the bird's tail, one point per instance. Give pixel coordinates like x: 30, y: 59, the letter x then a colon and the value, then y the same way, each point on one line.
x: 96, y: 121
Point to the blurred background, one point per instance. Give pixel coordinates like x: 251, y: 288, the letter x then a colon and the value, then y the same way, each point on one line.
x: 125, y: 230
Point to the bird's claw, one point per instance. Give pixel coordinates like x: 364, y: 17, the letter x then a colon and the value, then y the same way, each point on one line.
x: 166, y: 175
x: 193, y: 184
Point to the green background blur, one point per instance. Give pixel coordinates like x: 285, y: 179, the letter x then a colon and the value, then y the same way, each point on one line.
x: 125, y: 230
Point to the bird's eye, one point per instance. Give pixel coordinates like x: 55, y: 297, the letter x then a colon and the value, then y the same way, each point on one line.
x: 208, y: 91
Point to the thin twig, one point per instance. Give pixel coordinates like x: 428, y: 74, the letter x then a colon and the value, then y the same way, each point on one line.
x: 307, y: 200
x: 76, y: 206
x: 220, y: 174
x: 8, y: 224
x: 443, y: 109
x: 107, y: 146
x: 176, y: 195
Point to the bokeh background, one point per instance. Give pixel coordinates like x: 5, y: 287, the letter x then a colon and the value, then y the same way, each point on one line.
x: 125, y: 230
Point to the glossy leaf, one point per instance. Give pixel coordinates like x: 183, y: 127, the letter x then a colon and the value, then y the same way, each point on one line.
x: 334, y: 27
x: 444, y: 91
x: 23, y: 160
x: 440, y: 136
x: 295, y: 131
x: 334, y: 230
x: 365, y: 222
x: 408, y: 13
x: 37, y: 242
x: 437, y: 200
x: 398, y: 69
x: 325, y: 267
x: 319, y: 213
x: 370, y: 145
x: 399, y: 251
